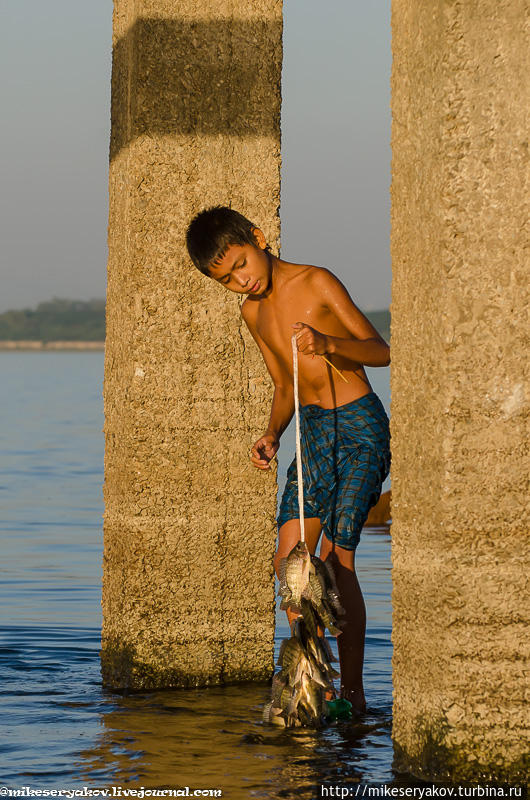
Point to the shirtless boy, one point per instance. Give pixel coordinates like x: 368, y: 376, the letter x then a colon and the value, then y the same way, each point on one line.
x: 344, y: 428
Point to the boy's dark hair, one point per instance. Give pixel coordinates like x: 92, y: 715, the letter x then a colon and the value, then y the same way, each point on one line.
x: 211, y: 233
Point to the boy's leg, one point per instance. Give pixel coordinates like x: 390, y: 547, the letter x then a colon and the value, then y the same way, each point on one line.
x: 350, y: 643
x: 288, y: 536
x: 356, y: 491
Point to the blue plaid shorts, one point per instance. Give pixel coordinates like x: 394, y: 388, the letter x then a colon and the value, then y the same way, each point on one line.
x: 345, y: 459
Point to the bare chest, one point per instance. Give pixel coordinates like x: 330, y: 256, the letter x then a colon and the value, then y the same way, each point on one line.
x: 275, y: 324
x: 299, y: 302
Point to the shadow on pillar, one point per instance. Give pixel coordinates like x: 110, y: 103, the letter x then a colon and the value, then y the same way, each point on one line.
x: 196, y: 78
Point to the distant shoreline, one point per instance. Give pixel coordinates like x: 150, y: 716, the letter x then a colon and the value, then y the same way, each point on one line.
x: 79, y: 325
x: 14, y: 344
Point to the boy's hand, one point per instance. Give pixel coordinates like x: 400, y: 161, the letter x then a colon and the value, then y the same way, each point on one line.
x: 264, y: 450
x: 309, y: 340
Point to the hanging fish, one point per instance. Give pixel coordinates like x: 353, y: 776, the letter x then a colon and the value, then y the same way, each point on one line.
x: 294, y: 573
x: 313, y: 592
x: 312, y: 698
x: 290, y: 653
x: 310, y: 620
x: 279, y: 683
x: 325, y: 570
x: 327, y: 618
x: 273, y: 715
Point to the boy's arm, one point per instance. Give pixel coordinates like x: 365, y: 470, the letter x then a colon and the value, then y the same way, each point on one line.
x: 367, y: 346
x: 281, y: 412
x: 283, y: 399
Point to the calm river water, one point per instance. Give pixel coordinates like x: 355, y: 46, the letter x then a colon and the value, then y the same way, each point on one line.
x: 61, y: 728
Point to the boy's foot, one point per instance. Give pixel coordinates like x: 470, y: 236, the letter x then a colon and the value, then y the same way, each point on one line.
x: 356, y: 698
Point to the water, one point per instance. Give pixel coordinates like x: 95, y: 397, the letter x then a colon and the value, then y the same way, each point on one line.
x: 62, y: 729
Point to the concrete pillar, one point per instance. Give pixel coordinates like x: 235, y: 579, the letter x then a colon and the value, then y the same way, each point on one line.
x: 189, y: 523
x: 459, y: 427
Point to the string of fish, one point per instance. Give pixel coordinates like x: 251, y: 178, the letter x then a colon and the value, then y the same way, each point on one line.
x: 309, y: 588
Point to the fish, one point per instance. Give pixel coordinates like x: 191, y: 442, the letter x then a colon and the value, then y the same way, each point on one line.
x: 327, y: 618
x: 320, y: 649
x: 312, y: 698
x: 299, y: 660
x: 267, y: 711
x: 333, y: 593
x: 314, y: 651
x: 301, y: 668
x: 294, y: 571
x: 286, y: 699
x: 310, y: 620
x: 313, y: 590
x: 304, y: 717
x: 319, y: 656
x: 272, y: 714
x: 299, y: 631
x: 294, y: 700
x: 313, y: 593
x: 318, y: 673
x: 279, y: 683
x: 306, y: 675
x: 294, y: 662
x: 282, y: 709
x: 325, y: 572
x: 290, y: 653
x: 326, y: 647
x: 283, y: 590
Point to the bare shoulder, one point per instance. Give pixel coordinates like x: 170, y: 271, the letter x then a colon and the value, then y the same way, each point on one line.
x: 325, y: 280
x: 316, y: 278
x: 330, y: 288
x: 336, y: 298
x: 298, y: 272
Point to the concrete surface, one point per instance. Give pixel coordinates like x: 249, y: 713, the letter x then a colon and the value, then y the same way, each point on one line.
x: 459, y: 385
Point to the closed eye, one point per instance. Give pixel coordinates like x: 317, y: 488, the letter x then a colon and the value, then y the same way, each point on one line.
x: 227, y: 278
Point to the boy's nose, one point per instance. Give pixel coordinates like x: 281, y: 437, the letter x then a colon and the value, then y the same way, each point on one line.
x: 242, y: 280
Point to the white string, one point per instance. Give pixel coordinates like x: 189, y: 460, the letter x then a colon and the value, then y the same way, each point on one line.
x: 298, y: 451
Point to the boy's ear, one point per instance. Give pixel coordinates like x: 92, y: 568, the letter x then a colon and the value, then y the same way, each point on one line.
x: 260, y: 238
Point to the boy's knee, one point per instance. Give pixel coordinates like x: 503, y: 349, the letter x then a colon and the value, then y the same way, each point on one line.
x: 341, y: 558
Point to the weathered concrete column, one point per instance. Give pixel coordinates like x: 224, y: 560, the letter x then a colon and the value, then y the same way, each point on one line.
x: 189, y: 527
x: 460, y: 100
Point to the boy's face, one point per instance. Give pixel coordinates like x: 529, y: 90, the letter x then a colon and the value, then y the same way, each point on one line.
x: 244, y: 268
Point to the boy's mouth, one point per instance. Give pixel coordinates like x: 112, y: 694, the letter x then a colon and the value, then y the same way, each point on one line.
x: 254, y: 287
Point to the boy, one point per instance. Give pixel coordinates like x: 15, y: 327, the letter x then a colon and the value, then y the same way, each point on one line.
x: 343, y: 426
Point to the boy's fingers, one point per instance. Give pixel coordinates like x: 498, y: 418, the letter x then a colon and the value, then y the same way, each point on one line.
x: 259, y: 458
x: 261, y: 465
x: 261, y: 453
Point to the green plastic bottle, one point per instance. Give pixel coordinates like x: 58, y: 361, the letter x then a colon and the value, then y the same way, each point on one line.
x: 338, y: 709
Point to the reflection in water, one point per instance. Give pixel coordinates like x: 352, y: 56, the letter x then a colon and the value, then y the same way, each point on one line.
x: 215, y: 738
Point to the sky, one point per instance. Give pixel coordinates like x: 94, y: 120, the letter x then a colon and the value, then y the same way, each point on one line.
x: 55, y: 59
